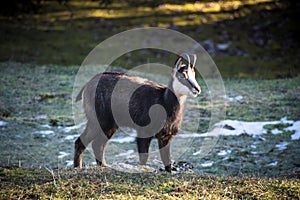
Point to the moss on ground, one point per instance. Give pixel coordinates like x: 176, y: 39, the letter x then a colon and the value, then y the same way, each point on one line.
x: 22, y: 183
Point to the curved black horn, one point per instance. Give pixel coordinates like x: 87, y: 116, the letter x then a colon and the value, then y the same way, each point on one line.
x: 193, y: 60
x: 178, y: 62
x: 187, y: 58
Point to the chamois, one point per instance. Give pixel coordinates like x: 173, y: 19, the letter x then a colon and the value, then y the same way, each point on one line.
x: 112, y: 100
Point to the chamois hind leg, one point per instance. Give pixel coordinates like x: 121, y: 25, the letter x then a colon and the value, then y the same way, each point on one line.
x: 99, y: 145
x: 82, y: 142
x: 164, y: 149
x: 143, y: 145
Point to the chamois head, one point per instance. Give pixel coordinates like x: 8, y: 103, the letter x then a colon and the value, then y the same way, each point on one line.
x: 184, y: 80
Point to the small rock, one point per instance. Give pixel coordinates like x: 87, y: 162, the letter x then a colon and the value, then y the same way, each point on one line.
x: 229, y: 127
x: 53, y: 122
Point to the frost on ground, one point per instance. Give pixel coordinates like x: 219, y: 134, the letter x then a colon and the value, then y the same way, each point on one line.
x: 125, y: 167
x: 248, y: 146
x: 126, y: 157
x: 282, y: 146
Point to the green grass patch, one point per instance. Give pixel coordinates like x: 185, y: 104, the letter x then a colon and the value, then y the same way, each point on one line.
x: 96, y: 183
x: 280, y: 126
x: 260, y: 34
x: 38, y: 98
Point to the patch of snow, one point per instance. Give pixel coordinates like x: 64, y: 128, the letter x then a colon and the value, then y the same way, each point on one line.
x: 273, y: 164
x: 207, y: 164
x: 253, y: 146
x: 3, y: 123
x: 237, y: 98
x: 126, y: 154
x: 224, y: 152
x: 41, y: 117
x: 264, y: 131
x: 295, y: 127
x: 186, y: 134
x: 131, y: 168
x: 284, y: 120
x: 197, y: 153
x: 46, y: 126
x: 226, y: 158
x: 71, y: 128
x: 45, y: 132
x: 63, y: 154
x: 69, y: 163
x: 281, y: 146
x: 250, y: 128
x: 121, y: 140
x: 71, y: 137
x: 223, y: 47
x: 276, y: 131
x: 229, y: 98
x: 255, y: 129
x: 262, y: 138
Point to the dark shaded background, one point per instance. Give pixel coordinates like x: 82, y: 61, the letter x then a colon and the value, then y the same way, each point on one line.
x: 247, y: 39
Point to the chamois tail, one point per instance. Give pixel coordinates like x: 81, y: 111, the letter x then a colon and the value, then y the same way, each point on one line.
x: 79, y: 96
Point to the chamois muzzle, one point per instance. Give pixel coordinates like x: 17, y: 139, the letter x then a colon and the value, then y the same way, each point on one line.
x: 196, y: 90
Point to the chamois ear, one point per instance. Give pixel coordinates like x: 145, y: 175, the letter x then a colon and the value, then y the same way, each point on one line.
x: 187, y: 59
x: 178, y: 63
x: 184, y: 60
x: 193, y: 60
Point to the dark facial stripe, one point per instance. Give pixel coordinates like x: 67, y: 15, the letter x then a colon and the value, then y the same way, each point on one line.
x: 185, y: 81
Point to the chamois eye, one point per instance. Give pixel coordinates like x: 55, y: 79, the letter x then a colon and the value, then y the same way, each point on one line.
x: 182, y: 75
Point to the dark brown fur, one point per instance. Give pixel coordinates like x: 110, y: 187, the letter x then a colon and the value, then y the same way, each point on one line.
x: 98, y: 95
x: 147, y: 94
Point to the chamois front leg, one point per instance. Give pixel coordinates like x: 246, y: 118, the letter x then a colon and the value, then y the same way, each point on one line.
x: 143, y: 145
x: 164, y: 150
x: 98, y: 146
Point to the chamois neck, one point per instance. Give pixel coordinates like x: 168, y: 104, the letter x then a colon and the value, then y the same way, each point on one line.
x: 181, y: 98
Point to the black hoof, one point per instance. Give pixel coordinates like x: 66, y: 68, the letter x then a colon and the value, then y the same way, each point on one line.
x: 168, y: 168
x: 99, y: 163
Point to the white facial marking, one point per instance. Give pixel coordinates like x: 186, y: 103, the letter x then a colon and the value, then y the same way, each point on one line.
x: 192, y: 78
x: 182, y: 89
x: 179, y: 88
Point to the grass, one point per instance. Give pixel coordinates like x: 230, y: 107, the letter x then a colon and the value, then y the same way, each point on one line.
x: 261, y: 34
x: 38, y: 98
x: 96, y: 183
x: 30, y: 90
x: 41, y: 53
x: 263, y: 100
x: 34, y: 96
